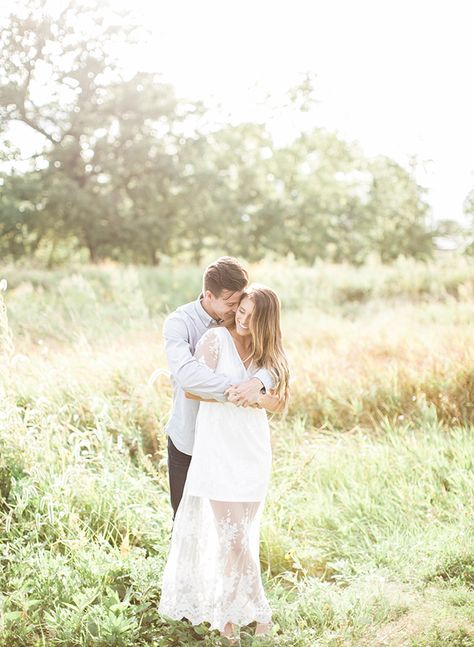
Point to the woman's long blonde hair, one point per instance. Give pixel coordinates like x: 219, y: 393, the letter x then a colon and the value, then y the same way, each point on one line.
x: 267, y: 348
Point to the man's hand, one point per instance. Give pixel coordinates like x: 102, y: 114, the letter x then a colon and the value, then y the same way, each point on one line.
x: 246, y: 393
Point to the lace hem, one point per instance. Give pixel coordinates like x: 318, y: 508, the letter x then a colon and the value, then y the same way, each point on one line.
x: 234, y: 615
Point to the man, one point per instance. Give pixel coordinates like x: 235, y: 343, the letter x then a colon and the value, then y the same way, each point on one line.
x: 223, y: 284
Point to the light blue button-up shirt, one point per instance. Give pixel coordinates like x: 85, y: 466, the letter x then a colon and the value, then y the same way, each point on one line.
x: 182, y: 330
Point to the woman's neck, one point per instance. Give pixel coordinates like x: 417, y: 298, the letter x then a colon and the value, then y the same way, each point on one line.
x: 243, y: 343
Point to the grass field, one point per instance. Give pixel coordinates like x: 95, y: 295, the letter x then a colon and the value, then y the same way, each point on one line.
x: 368, y: 529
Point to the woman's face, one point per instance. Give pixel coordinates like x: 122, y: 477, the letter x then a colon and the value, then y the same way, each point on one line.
x: 243, y: 316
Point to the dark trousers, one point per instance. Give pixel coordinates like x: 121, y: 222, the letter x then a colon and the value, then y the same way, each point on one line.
x: 178, y: 464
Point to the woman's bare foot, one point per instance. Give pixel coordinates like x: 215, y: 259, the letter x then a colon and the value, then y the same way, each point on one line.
x: 231, y: 632
x: 262, y: 628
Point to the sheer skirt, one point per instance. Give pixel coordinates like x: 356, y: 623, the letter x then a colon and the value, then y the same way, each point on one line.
x: 213, y: 570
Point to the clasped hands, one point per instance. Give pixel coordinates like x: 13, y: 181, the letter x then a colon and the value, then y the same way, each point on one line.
x: 245, y: 394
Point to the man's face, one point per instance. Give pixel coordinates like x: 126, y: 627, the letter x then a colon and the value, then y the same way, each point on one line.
x: 224, y: 306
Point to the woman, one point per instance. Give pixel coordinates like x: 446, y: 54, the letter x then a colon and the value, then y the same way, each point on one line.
x: 213, y: 569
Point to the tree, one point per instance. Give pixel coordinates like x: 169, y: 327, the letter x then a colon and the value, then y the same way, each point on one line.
x: 321, y: 182
x: 127, y: 171
x: 243, y: 187
x: 398, y: 213
x: 468, y: 232
x: 21, y: 228
x: 101, y: 133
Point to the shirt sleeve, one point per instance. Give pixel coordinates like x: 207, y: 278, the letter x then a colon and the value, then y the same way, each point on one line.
x: 265, y: 377
x: 190, y: 374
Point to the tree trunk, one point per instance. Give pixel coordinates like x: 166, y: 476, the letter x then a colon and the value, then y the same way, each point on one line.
x: 93, y: 257
x: 154, y: 258
x: 92, y: 247
x: 50, y: 262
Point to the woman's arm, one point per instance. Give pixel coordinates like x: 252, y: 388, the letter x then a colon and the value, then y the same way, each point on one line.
x: 266, y: 401
x: 191, y: 396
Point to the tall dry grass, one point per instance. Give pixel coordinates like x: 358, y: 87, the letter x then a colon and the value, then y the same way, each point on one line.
x: 367, y: 536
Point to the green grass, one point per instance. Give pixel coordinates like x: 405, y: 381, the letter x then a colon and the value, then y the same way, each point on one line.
x: 367, y: 535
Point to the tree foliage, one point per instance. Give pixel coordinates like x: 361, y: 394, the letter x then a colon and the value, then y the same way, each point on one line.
x: 127, y: 170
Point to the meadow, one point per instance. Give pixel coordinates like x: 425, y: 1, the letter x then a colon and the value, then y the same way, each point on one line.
x: 368, y: 529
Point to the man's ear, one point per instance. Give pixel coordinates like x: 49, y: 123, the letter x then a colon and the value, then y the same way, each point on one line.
x: 207, y: 295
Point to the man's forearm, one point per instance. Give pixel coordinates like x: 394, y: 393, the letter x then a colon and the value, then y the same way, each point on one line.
x: 271, y: 403
x: 201, y: 381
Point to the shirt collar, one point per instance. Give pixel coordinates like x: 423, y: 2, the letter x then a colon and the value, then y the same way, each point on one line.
x: 203, y: 315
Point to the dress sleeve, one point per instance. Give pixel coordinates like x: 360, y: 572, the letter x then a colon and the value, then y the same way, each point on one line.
x: 207, y: 349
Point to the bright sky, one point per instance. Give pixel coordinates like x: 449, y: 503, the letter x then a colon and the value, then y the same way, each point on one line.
x: 396, y: 75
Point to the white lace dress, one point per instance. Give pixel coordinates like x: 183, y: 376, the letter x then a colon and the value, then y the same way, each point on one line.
x: 213, y: 571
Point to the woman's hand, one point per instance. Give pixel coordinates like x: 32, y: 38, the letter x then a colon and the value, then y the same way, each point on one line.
x: 246, y: 393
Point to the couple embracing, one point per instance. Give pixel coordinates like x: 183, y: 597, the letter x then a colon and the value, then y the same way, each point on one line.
x: 228, y: 368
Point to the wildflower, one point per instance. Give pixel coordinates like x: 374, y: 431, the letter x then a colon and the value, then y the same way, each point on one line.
x: 18, y: 360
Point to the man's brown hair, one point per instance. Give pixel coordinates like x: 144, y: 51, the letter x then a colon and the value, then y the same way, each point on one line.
x: 225, y: 274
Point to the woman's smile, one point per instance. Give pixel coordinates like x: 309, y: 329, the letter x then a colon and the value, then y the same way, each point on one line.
x: 243, y: 316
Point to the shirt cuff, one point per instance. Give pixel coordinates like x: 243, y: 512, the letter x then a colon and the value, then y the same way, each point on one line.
x: 265, y: 379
